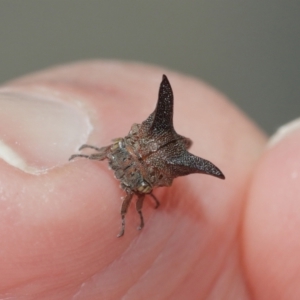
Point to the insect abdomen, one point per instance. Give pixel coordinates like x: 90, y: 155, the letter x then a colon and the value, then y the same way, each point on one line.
x: 126, y: 168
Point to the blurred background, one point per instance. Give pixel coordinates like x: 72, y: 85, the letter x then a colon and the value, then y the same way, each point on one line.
x: 249, y: 50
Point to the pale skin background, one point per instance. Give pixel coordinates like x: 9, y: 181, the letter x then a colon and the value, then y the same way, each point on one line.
x: 210, y: 239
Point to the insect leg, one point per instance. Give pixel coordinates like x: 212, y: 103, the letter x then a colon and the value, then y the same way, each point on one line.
x: 139, y: 206
x: 90, y: 146
x: 157, y: 204
x: 100, y: 155
x: 94, y: 156
x: 124, y: 208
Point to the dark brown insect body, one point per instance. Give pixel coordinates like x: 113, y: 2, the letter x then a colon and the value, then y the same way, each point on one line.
x: 151, y: 155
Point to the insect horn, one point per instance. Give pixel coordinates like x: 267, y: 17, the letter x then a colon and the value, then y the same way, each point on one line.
x: 188, y: 163
x: 163, y: 113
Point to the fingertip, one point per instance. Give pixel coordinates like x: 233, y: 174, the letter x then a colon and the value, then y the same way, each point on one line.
x: 80, y: 199
x: 272, y: 222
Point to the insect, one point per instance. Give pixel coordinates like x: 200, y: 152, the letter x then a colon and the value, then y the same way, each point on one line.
x: 151, y: 155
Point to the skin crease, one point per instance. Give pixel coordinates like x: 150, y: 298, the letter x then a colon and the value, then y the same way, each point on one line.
x: 209, y: 239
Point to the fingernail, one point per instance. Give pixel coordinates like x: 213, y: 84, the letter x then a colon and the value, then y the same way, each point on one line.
x: 39, y: 132
x: 284, y: 131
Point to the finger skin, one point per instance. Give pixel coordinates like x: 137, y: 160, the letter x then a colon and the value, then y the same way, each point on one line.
x: 59, y: 228
x: 272, y: 222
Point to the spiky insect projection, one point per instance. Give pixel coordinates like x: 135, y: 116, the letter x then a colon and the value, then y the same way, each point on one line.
x: 151, y: 155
